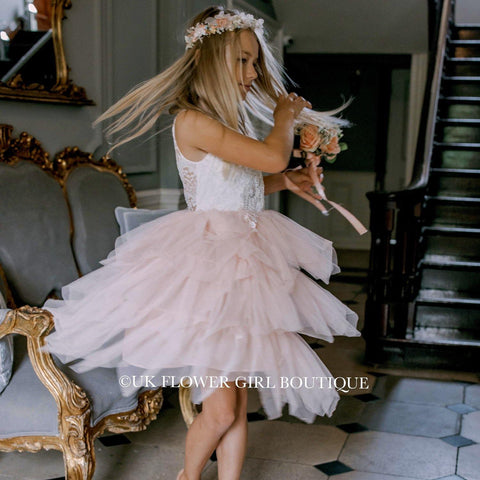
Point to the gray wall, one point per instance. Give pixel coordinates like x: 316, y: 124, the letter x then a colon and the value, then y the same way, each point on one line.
x: 9, y: 9
x: 468, y: 11
x: 355, y: 26
x: 112, y: 45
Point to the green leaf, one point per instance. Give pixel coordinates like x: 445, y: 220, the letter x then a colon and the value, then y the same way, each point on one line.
x: 329, y: 158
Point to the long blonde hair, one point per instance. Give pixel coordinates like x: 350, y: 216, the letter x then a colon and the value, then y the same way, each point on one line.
x: 203, y: 80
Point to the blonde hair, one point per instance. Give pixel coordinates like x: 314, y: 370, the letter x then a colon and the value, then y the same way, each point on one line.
x: 203, y: 79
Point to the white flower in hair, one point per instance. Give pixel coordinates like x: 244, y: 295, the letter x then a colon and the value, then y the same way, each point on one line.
x: 222, y: 22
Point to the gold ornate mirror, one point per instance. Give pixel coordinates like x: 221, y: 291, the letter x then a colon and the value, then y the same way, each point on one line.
x: 32, y: 58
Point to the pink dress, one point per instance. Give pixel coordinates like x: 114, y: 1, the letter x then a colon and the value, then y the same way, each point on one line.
x: 214, y: 291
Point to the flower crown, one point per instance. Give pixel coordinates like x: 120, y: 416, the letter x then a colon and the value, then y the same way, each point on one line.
x: 222, y: 22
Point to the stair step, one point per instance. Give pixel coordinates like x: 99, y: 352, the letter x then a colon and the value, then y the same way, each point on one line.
x: 466, y: 100
x: 458, y: 134
x: 454, y: 182
x: 467, y: 26
x: 451, y: 231
x: 445, y: 262
x: 451, y: 312
x: 454, y: 200
x: 461, y: 86
x: 456, y: 171
x: 446, y: 240
x: 450, y: 297
x: 453, y: 211
x: 468, y: 66
x: 462, y: 79
x: 457, y: 146
x: 446, y: 158
x: 465, y: 43
x: 450, y: 274
x: 468, y: 31
x: 446, y: 336
x: 446, y: 297
x: 459, y: 110
x: 464, y: 60
x: 459, y: 122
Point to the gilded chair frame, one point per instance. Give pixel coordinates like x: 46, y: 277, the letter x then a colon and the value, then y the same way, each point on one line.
x: 76, y: 435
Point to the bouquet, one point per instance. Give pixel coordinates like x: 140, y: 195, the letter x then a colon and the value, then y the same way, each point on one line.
x: 323, y: 142
x: 314, y: 144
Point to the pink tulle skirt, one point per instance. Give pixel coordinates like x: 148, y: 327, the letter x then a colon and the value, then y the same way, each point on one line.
x: 203, y: 294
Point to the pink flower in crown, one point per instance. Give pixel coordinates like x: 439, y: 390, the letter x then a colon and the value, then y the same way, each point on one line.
x: 222, y: 22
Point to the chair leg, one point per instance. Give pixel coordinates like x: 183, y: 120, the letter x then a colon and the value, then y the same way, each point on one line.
x: 189, y: 410
x: 79, y: 458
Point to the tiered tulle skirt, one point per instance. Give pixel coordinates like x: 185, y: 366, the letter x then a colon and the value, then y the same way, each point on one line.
x: 204, y: 294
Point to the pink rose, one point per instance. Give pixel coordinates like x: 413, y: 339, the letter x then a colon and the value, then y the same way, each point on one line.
x: 333, y: 148
x: 309, y: 138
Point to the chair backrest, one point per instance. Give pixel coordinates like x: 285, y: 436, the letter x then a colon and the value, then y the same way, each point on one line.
x: 56, y: 217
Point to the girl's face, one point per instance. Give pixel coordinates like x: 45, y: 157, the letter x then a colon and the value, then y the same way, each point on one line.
x: 246, y: 71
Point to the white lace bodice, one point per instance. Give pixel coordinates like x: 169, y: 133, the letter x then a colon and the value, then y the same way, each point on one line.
x: 213, y: 183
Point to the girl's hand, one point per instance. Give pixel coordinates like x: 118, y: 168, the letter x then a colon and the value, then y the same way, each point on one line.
x: 291, y: 103
x: 303, y: 179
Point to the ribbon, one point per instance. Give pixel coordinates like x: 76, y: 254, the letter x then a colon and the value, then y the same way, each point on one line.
x: 312, y: 162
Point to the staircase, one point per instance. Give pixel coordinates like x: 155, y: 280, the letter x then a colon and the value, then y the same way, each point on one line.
x: 423, y: 305
x: 448, y: 303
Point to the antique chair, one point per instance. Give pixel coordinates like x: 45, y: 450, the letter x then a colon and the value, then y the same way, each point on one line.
x: 56, y: 222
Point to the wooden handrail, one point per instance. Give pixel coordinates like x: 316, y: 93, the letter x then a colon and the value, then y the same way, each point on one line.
x: 429, y: 112
x: 421, y: 172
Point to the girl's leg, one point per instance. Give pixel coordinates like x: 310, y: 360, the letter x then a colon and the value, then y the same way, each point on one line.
x: 216, y: 417
x: 232, y: 446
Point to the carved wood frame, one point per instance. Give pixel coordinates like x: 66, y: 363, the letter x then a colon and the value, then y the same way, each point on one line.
x: 27, y: 147
x: 76, y: 436
x: 64, y: 91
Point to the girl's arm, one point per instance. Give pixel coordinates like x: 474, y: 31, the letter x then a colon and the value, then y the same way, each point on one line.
x: 276, y: 182
x: 204, y: 134
x: 273, y: 183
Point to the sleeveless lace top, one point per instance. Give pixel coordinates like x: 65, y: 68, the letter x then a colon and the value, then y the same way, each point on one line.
x: 213, y: 183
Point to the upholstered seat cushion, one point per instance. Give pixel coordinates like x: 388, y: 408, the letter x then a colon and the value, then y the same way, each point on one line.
x: 28, y: 408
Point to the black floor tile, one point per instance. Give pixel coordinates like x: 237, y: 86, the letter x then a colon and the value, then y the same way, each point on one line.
x: 255, y: 416
x: 366, y: 397
x: 451, y: 477
x: 114, y: 440
x: 167, y: 404
x: 352, y: 427
x: 378, y: 374
x: 458, y: 441
x: 461, y: 408
x: 333, y: 468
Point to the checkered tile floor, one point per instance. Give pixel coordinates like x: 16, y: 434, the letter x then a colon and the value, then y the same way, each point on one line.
x: 409, y: 425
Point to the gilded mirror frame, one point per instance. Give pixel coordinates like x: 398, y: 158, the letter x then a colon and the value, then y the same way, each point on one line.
x: 64, y: 91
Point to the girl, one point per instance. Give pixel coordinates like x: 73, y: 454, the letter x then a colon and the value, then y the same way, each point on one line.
x: 215, y: 290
